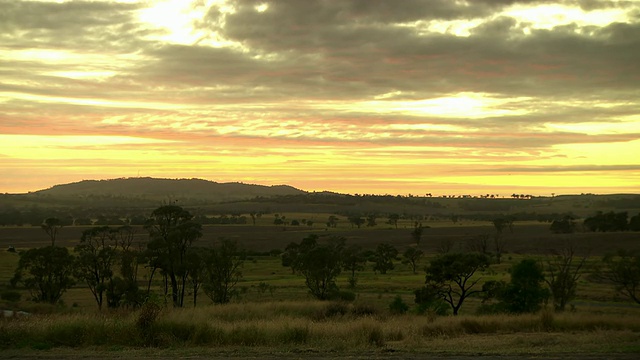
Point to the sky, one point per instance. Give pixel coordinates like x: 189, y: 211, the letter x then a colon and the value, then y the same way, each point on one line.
x: 355, y: 96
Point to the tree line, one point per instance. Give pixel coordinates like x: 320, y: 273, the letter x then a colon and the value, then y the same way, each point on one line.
x: 107, y: 261
x: 452, y: 277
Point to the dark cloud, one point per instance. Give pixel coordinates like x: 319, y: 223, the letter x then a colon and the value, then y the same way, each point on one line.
x: 83, y: 25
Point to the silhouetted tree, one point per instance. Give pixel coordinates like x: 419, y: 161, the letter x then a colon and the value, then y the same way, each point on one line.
x: 222, y: 271
x: 96, y: 258
x: 412, y: 256
x: 450, y: 276
x: 605, y: 222
x: 356, y: 220
x: 172, y: 233
x: 523, y: 294
x: 383, y: 258
x: 564, y: 226
x: 353, y: 260
x: 52, y: 226
x: 416, y: 233
x: 371, y: 220
x: 563, y: 272
x: 47, y: 272
x: 393, y: 219
x: 320, y: 264
x: 623, y: 271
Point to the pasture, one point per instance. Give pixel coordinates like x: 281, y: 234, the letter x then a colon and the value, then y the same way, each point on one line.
x: 273, y: 312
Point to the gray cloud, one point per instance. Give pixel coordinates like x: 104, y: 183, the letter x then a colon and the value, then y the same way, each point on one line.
x: 298, y: 55
x: 81, y: 25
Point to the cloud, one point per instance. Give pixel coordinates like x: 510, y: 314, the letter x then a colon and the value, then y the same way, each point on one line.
x: 496, y: 81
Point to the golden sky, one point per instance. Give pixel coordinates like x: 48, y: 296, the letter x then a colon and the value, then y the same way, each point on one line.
x: 355, y: 96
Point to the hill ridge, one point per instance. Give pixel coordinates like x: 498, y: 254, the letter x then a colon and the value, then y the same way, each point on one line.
x: 163, y: 187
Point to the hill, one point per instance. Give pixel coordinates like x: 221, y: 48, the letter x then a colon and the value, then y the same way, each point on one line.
x: 144, y: 192
x: 174, y: 188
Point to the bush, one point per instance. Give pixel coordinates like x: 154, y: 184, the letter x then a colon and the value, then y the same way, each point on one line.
x: 330, y: 310
x: 147, y: 316
x: 364, y: 310
x: 295, y: 335
x: 376, y: 337
x: 398, y: 306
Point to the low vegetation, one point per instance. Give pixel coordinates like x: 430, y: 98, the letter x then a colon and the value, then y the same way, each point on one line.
x: 314, y: 325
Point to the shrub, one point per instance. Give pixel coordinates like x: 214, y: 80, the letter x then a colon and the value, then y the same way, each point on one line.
x: 330, y: 310
x: 398, y: 306
x: 364, y: 310
x: 147, y: 316
x: 376, y: 336
x: 295, y: 335
x: 547, y: 320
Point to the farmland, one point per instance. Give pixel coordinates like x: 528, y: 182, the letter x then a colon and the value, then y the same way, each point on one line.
x: 272, y: 311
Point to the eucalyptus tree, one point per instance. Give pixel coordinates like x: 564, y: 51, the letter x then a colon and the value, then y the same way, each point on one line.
x: 171, y: 233
x: 450, y: 277
x: 47, y: 272
x: 96, y: 258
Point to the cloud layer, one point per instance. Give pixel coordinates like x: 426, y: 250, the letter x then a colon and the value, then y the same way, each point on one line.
x: 355, y: 96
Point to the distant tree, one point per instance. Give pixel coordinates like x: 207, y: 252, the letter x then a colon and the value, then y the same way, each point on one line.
x: 172, y: 233
x: 455, y: 218
x: 623, y: 271
x: 412, y: 256
x: 353, y: 260
x: 52, y: 226
x: 499, y: 239
x: 320, y: 264
x: 479, y: 243
x: 47, y: 272
x: 564, y: 226
x: 124, y: 288
x: 563, y: 272
x: 222, y: 271
x: 450, y: 277
x: 416, y: 233
x: 356, y: 220
x: 606, y: 222
x: 332, y: 222
x: 371, y: 220
x: 393, y: 219
x: 196, y: 264
x: 290, y: 256
x: 383, y: 258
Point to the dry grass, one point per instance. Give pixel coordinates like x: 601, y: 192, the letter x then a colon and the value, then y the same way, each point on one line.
x: 327, y: 327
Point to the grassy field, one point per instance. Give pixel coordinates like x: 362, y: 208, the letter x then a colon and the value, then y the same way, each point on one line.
x: 274, y: 313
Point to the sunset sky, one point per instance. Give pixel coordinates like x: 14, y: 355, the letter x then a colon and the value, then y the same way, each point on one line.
x: 362, y: 96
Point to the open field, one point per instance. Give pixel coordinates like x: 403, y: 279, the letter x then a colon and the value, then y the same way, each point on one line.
x: 526, y: 238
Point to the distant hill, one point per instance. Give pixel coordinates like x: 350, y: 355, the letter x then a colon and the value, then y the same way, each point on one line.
x: 193, y: 190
